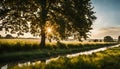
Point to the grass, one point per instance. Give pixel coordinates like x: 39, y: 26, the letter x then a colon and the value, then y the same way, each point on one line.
x: 109, y: 59
x: 13, y: 45
x: 13, y: 50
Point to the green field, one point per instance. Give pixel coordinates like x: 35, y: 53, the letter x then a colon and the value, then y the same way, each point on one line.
x: 109, y: 59
x: 13, y: 50
x: 12, y: 45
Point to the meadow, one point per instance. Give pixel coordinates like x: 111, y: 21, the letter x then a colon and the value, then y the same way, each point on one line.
x: 12, y: 45
x: 108, y: 59
x: 13, y: 50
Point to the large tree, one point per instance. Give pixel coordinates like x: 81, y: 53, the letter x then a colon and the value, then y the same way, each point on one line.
x: 65, y: 17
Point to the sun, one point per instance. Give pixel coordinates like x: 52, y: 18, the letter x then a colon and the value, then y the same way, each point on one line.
x: 49, y: 30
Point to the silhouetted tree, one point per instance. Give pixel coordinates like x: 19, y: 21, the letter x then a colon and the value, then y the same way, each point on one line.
x: 118, y: 38
x: 65, y: 16
x: 0, y: 36
x: 96, y: 40
x: 108, y: 39
x: 8, y: 36
x: 101, y: 40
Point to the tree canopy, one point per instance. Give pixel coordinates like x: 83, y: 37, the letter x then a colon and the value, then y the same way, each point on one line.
x: 118, y: 38
x: 65, y: 17
x: 9, y: 36
x: 108, y: 39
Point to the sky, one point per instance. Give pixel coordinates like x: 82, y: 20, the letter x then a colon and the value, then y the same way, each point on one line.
x: 108, y: 18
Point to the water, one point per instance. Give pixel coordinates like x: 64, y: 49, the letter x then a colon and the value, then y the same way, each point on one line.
x: 68, y: 55
x: 91, y: 51
x: 4, y: 67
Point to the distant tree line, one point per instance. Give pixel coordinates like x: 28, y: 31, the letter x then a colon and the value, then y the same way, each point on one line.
x: 8, y: 36
x: 106, y: 39
x: 110, y: 39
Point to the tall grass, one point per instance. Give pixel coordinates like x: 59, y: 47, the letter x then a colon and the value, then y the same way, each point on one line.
x: 12, y: 45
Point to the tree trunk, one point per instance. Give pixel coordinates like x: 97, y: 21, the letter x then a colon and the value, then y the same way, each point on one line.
x: 43, y: 14
x: 43, y: 35
x: 43, y: 38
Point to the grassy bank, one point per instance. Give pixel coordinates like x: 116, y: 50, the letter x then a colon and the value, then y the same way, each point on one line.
x: 25, y: 50
x: 109, y: 59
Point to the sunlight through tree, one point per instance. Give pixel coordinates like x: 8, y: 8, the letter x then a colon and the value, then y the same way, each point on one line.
x: 67, y: 16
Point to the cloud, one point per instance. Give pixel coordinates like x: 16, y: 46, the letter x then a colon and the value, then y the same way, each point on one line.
x: 110, y: 31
